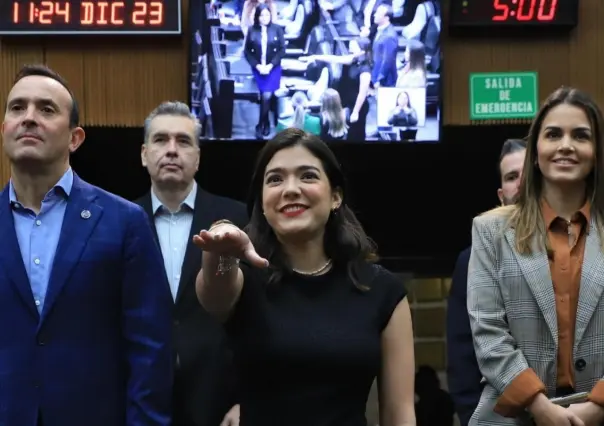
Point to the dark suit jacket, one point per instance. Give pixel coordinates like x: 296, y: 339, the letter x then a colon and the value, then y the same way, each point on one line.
x: 99, y: 354
x: 275, y: 45
x: 463, y: 374
x: 402, y: 119
x: 384, y: 48
x: 204, y: 370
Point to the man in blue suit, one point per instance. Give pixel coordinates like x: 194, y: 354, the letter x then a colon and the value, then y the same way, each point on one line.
x: 463, y: 375
x: 385, y: 46
x: 85, y: 305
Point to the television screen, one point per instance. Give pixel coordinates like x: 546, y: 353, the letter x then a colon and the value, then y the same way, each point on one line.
x: 347, y: 70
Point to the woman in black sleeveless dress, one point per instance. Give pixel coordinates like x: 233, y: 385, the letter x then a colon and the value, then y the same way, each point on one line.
x: 312, y: 320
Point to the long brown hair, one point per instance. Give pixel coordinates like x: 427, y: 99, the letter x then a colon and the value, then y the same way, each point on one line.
x: 417, y: 56
x: 333, y: 114
x: 525, y: 216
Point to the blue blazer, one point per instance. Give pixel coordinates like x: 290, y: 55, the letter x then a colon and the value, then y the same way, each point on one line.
x: 99, y: 354
x: 463, y: 375
x: 384, y: 49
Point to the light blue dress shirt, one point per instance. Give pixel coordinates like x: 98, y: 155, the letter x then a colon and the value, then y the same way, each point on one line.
x: 38, y: 235
x: 173, y: 230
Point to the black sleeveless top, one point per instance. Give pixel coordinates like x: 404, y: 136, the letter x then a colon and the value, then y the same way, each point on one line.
x: 308, y: 349
x: 348, y: 86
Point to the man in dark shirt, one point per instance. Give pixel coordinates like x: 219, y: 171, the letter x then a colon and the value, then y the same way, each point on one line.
x: 463, y: 374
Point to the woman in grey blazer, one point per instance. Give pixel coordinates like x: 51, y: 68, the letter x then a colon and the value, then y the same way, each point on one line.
x: 536, y: 277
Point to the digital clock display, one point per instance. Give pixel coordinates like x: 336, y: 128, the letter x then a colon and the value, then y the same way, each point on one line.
x: 75, y: 17
x: 562, y: 13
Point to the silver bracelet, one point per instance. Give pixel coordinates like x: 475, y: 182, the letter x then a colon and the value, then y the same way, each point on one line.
x: 226, y: 264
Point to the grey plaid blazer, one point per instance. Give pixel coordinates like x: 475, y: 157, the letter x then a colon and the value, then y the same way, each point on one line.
x: 512, y: 311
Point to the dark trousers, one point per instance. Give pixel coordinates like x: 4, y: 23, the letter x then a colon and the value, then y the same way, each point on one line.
x: 180, y: 415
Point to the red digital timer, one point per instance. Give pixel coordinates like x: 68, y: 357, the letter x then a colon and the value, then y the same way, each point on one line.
x: 513, y: 13
x: 86, y: 16
x: 525, y: 10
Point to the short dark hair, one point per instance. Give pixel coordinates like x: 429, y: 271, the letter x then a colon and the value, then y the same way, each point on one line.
x: 345, y: 241
x: 510, y: 146
x: 43, y: 71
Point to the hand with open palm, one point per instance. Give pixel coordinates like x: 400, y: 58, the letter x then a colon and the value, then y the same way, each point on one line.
x: 226, y: 239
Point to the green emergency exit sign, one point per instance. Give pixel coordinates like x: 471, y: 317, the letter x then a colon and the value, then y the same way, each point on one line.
x: 496, y: 96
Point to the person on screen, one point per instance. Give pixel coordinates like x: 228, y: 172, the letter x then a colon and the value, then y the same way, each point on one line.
x: 333, y: 117
x: 247, y: 19
x: 301, y: 118
x: 385, y: 46
x: 425, y: 26
x: 535, y: 292
x: 414, y: 72
x: 365, y: 17
x: 354, y: 84
x: 313, y: 319
x: 204, y: 390
x: 403, y: 114
x: 264, y: 49
x: 249, y: 11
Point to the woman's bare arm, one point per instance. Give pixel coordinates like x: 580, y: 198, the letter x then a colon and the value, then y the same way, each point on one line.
x: 396, y: 384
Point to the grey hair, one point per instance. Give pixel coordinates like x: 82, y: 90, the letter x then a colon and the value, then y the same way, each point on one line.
x: 175, y: 108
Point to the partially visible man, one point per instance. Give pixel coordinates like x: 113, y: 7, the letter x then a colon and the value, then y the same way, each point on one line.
x: 464, y: 377
x: 84, y: 301
x: 204, y: 378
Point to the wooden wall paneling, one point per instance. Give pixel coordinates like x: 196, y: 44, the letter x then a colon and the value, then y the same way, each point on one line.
x: 4, y: 170
x: 68, y: 60
x: 95, y: 88
x: 586, y: 50
x: 549, y: 57
x: 135, y: 84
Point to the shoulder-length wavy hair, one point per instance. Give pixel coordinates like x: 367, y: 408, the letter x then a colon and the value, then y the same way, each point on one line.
x: 525, y: 216
x: 345, y: 241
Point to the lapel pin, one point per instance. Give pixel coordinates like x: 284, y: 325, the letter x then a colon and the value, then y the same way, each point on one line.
x: 85, y: 214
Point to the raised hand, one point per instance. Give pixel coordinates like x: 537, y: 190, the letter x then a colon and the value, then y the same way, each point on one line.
x: 226, y: 239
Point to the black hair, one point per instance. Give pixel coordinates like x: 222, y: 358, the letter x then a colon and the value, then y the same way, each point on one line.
x: 510, y: 146
x: 345, y: 241
x: 259, y: 9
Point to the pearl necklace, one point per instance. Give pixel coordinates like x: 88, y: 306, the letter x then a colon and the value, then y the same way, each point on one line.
x: 316, y: 272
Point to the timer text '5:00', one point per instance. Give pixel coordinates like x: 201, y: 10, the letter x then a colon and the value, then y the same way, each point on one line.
x: 92, y: 17
x: 514, y: 13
